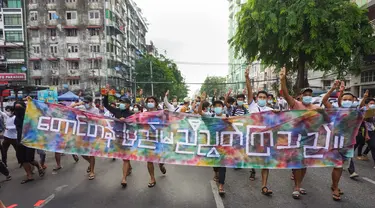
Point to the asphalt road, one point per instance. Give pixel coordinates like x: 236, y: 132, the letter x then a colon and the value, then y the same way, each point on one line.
x: 182, y: 186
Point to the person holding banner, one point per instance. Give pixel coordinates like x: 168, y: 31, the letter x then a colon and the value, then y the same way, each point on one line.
x: 25, y: 155
x: 305, y: 104
x: 120, y: 113
x: 89, y: 107
x: 260, y: 105
x: 346, y: 101
x: 152, y: 105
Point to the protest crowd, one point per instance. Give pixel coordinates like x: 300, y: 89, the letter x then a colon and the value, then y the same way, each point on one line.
x: 11, y: 126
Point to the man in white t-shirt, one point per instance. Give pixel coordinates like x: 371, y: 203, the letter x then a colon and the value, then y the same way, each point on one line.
x: 88, y: 106
x: 260, y: 105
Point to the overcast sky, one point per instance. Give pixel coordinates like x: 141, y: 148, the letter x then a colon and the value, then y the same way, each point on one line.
x: 190, y: 31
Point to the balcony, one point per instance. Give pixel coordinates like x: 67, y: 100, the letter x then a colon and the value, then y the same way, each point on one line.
x: 73, y: 73
x: 72, y: 56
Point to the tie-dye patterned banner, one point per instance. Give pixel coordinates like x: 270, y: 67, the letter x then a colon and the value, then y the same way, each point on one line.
x: 293, y: 139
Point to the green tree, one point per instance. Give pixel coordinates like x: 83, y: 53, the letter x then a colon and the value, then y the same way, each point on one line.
x: 163, y: 70
x: 305, y: 34
x: 214, y: 82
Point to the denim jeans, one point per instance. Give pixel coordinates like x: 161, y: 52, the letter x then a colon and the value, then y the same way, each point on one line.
x: 222, y: 171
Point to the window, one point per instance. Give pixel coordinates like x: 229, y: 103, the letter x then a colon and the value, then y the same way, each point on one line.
x: 33, y: 16
x: 326, y: 83
x: 96, y: 64
x: 73, y: 64
x: 36, y: 49
x: 12, y: 19
x: 52, y: 15
x: 93, y: 0
x: 70, y: 1
x: 71, y: 32
x: 94, y: 14
x: 54, y: 64
x: 13, y: 36
x: 55, y: 82
x: 51, y: 1
x: 33, y: 1
x: 94, y: 48
x: 71, y: 15
x: 36, y: 65
x: 53, y: 32
x: 34, y: 33
x: 72, y: 48
x: 38, y: 81
x: 93, y: 31
x: 368, y: 76
x: 53, y: 49
x: 15, y: 54
x: 74, y: 82
x: 14, y: 4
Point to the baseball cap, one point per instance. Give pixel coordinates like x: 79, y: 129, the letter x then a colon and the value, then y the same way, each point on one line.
x: 187, y: 99
x: 125, y: 100
x: 305, y: 90
x: 87, y: 99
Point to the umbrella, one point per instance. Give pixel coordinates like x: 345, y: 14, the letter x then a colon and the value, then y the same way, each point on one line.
x: 69, y: 96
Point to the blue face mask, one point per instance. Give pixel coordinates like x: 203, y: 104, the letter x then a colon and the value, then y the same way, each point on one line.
x: 122, y: 106
x: 346, y: 104
x: 240, y: 103
x: 150, y: 105
x: 372, y: 106
x: 87, y: 106
x: 218, y: 110
x: 262, y: 103
x: 355, y: 104
x: 269, y: 101
x: 306, y: 100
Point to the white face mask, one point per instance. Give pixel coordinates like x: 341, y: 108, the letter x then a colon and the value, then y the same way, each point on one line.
x: 174, y: 104
x: 10, y: 114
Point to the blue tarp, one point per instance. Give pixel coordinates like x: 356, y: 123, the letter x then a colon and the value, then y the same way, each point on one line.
x: 69, y: 96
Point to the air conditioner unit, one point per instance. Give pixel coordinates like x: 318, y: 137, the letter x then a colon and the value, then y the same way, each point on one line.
x: 53, y: 37
x: 2, y: 57
x: 54, y: 71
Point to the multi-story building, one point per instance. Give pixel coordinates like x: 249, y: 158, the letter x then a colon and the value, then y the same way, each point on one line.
x: 83, y: 44
x: 12, y: 42
x: 237, y: 66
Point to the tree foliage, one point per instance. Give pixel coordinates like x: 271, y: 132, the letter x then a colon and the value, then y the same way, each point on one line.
x: 163, y: 70
x: 318, y: 34
x: 213, y: 82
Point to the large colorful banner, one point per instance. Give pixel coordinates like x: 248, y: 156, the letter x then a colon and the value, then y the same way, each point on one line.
x: 293, y: 139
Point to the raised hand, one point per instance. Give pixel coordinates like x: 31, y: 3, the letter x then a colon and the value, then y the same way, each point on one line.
x: 229, y: 92
x: 215, y: 91
x: 247, y: 72
x: 204, y: 95
x: 366, y: 94
x: 167, y: 93
x: 336, y: 84
x: 342, y: 86
x: 282, y: 73
x: 141, y: 92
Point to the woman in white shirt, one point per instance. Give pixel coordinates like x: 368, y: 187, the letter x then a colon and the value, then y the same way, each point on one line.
x: 10, y: 134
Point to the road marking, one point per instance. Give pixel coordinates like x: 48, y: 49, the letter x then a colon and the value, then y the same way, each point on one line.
x: 215, y: 191
x: 368, y: 180
x: 12, y: 206
x: 60, y: 188
x: 44, y: 202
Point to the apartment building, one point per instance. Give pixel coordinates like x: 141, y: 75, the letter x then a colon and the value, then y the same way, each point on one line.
x: 12, y: 43
x: 84, y: 44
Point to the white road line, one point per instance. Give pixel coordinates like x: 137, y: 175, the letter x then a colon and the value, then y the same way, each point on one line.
x: 368, y: 180
x: 48, y: 199
x: 215, y: 191
x: 60, y: 188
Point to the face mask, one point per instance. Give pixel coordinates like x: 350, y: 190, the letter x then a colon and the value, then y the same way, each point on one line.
x: 347, y: 104
x: 240, y: 103
x: 270, y: 102
x: 174, y: 104
x: 218, y: 110
x: 355, y: 104
x: 372, y: 106
x: 198, y: 103
x: 307, y: 100
x: 262, y: 103
x: 150, y: 105
x: 136, y: 110
x: 122, y: 106
x: 10, y: 114
x: 87, y: 106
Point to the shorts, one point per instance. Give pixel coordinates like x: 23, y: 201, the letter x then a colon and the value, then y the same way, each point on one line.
x: 25, y: 154
x: 345, y: 161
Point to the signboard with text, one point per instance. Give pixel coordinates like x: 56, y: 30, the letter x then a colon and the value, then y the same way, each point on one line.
x: 12, y: 77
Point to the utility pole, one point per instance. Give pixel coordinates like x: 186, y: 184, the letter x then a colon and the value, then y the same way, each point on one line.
x: 152, y: 83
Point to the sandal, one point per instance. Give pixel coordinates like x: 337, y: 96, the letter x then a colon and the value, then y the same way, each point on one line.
x: 341, y: 193
x: 57, y: 169
x: 92, y: 176
x: 221, y: 192
x: 302, y: 191
x: 266, y: 191
x: 296, y: 195
x: 150, y: 185
x: 8, y: 178
x: 27, y: 180
x: 123, y: 185
x: 129, y: 172
x: 162, y: 169
x: 41, y: 172
x: 252, y: 176
x: 292, y: 177
x: 88, y: 169
x: 76, y: 158
x: 336, y: 197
